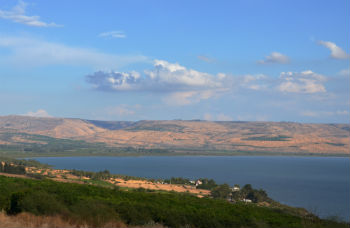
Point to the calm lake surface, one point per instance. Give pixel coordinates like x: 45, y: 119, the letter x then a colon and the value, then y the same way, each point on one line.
x: 319, y: 184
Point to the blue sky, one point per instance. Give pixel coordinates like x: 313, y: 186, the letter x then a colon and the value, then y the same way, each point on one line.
x: 212, y: 60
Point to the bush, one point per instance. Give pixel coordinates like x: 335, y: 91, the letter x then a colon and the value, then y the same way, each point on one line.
x: 207, y: 184
x: 12, y: 168
x: 36, y: 202
x: 93, y: 212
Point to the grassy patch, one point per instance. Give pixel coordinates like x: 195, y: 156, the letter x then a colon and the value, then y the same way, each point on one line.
x: 157, y: 127
x: 48, y: 146
x: 268, y: 138
x: 336, y: 144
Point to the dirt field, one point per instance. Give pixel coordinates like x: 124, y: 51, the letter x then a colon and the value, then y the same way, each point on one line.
x: 159, y: 186
x: 66, y: 176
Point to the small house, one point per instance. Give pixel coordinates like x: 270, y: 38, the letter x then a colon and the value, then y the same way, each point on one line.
x: 247, y: 200
x: 198, y: 182
x: 235, y: 189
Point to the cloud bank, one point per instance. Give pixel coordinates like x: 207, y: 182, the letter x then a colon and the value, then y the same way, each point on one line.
x: 17, y: 15
x: 178, y: 85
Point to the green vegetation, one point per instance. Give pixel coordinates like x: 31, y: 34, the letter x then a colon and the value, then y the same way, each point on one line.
x: 11, y: 168
x: 208, y: 184
x: 156, y: 127
x: 39, y: 145
x: 177, y: 180
x: 335, y: 144
x: 17, y: 166
x: 102, y: 175
x: 111, y: 125
x: 222, y: 191
x: 33, y: 145
x: 247, y: 192
x: 97, y: 205
x: 24, y: 162
x: 268, y: 138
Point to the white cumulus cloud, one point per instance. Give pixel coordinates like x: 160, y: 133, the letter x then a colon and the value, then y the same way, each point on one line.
x: 275, y: 57
x: 174, y: 75
x: 301, y: 82
x: 18, y: 14
x: 336, y: 52
x: 182, y: 86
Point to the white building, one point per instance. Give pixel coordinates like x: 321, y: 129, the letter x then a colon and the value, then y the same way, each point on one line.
x: 247, y: 200
x: 198, y: 182
x: 235, y: 189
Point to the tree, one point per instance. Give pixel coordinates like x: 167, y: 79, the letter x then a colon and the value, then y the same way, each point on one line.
x: 207, y: 184
x: 247, y: 188
x: 11, y: 168
x: 221, y: 191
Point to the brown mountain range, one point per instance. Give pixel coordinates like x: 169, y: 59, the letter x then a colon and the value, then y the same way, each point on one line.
x: 180, y: 135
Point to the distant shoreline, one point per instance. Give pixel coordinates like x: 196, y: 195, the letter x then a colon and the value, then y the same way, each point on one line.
x: 23, y: 136
x: 186, y: 155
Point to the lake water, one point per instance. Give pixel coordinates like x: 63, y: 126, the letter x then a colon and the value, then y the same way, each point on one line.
x: 319, y: 184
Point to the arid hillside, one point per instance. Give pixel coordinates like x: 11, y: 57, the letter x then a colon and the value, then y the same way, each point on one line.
x: 192, y: 136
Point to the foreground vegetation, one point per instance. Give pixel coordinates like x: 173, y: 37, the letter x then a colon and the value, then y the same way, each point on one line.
x: 97, y: 206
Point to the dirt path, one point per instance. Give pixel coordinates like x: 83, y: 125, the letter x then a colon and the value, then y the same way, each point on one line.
x: 15, y: 175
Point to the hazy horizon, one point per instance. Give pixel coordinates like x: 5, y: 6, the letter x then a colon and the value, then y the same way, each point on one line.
x: 60, y: 117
